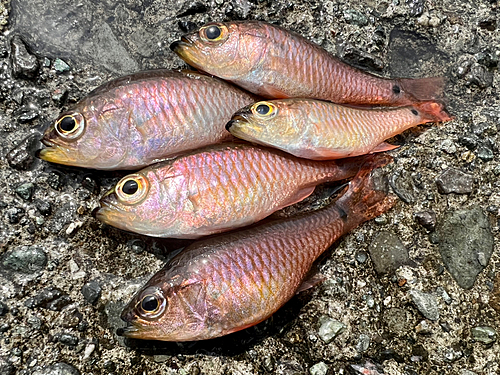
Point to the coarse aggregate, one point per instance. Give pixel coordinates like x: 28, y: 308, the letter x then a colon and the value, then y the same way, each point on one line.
x: 434, y: 308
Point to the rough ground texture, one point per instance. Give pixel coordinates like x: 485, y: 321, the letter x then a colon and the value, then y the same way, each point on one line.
x: 422, y: 299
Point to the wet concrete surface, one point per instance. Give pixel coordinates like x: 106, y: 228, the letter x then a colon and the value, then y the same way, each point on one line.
x: 64, y: 277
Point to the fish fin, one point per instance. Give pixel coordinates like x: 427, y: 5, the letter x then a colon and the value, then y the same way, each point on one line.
x: 367, y: 196
x: 384, y: 147
x: 312, y: 279
x: 322, y: 154
x: 297, y: 197
x: 422, y: 89
x: 432, y: 111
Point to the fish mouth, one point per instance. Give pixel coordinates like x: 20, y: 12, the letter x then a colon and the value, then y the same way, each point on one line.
x: 235, y: 122
x: 179, y: 45
x: 55, y: 154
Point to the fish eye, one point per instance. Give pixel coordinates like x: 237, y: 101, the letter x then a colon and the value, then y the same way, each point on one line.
x: 152, y: 304
x: 132, y: 189
x: 264, y: 109
x: 213, y: 33
x: 70, y: 126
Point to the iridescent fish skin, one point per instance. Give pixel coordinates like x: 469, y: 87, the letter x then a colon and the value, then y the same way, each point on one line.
x: 215, y: 190
x: 275, y: 63
x: 233, y: 281
x: 136, y: 120
x: 320, y: 130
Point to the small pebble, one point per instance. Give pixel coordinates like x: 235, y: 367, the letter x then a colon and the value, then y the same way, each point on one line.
x: 22, y: 156
x: 455, y: 181
x: 427, y: 219
x: 3, y: 308
x: 60, y: 66
x: 363, y: 343
x: 330, y: 329
x: 44, y: 207
x: 426, y: 303
x: 25, y: 190
x: 66, y: 339
x: 25, y: 259
x: 59, y: 368
x: 91, y: 292
x: 387, y: 252
x: 361, y: 256
x: 486, y: 335
x: 423, y: 328
x: 15, y: 214
x: 24, y: 64
x: 320, y: 368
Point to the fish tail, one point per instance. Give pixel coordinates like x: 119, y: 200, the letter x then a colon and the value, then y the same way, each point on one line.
x: 423, y: 89
x: 432, y: 111
x: 367, y: 195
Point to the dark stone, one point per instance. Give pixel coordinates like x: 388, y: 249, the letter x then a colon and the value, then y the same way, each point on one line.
x: 455, y: 181
x: 15, y: 214
x: 25, y: 190
x: 24, y: 64
x: 62, y: 216
x: 480, y: 76
x: 416, y: 7
x: 44, y: 207
x: 388, y: 354
x: 489, y: 24
x: 4, y: 327
x: 387, y: 253
x: 59, y: 303
x: 26, y: 259
x: 427, y: 219
x: 426, y: 303
x: 22, y: 156
x: 91, y: 292
x: 465, y: 244
x: 4, y: 50
x: 469, y: 141
x: 59, y: 368
x: 403, y: 185
x: 187, y: 26
x: 55, y: 180
x: 82, y: 326
x: 485, y: 153
x: 43, y: 298
x: 67, y: 339
x: 27, y: 115
x: 3, y: 308
x: 419, y: 351
x: 136, y: 245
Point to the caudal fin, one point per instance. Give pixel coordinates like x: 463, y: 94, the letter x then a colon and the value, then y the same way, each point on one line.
x: 367, y: 195
x: 423, y: 89
x: 432, y: 111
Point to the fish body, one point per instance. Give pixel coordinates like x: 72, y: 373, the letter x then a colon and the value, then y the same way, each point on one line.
x: 215, y: 190
x: 276, y: 63
x: 136, y: 120
x: 233, y: 281
x: 317, y: 129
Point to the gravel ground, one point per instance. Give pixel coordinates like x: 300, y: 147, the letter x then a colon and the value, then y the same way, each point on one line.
x: 416, y: 291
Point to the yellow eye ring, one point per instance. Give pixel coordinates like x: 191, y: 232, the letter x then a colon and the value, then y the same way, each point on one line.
x: 132, y: 189
x: 70, y: 126
x: 152, y: 304
x: 214, y: 32
x: 264, y: 110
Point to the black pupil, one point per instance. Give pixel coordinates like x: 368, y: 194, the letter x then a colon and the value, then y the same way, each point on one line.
x: 67, y: 124
x: 130, y: 187
x: 262, y: 109
x: 414, y: 111
x: 213, y: 32
x: 150, y: 303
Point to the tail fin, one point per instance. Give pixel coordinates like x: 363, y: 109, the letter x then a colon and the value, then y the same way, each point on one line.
x: 367, y: 195
x: 432, y: 111
x: 423, y: 89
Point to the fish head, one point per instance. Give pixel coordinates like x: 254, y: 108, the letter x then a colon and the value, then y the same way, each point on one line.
x: 140, y: 203
x: 229, y: 50
x: 270, y: 123
x: 168, y: 309
x: 86, y: 136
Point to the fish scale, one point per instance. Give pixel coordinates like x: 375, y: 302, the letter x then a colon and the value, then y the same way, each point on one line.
x: 236, y: 280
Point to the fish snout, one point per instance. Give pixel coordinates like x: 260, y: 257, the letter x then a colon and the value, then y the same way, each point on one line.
x: 237, y: 119
x: 178, y: 45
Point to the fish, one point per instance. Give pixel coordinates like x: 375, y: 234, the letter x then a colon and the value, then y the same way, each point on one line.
x: 215, y: 189
x: 139, y: 119
x: 235, y: 280
x: 316, y: 129
x: 276, y: 63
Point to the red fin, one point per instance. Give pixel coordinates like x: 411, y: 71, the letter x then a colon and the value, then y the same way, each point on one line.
x: 384, y: 147
x: 423, y: 89
x: 366, y: 197
x: 299, y: 196
x: 311, y: 280
x: 432, y: 111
